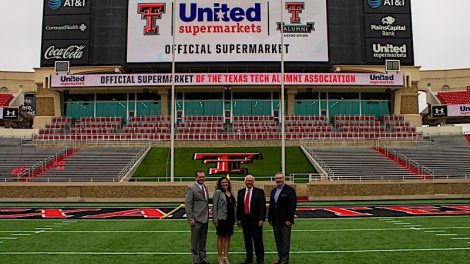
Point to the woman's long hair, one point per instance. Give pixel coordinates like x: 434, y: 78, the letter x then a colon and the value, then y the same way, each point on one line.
x: 219, y: 184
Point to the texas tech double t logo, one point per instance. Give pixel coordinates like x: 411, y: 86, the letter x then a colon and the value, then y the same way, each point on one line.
x: 227, y: 162
x: 151, y: 12
x: 295, y: 8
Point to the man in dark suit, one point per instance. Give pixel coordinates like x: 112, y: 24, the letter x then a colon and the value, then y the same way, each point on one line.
x: 251, y: 214
x: 197, y: 211
x: 282, y: 205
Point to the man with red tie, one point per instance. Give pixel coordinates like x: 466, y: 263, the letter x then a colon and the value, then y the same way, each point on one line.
x: 251, y: 214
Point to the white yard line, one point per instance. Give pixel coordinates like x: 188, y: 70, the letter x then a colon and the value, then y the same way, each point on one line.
x: 428, y: 230
x: 236, y: 253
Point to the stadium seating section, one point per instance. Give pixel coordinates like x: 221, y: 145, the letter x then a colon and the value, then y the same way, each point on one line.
x: 26, y: 163
x: 461, y: 97
x: 444, y: 157
x: 348, y: 163
x: 214, y: 128
x: 5, y: 99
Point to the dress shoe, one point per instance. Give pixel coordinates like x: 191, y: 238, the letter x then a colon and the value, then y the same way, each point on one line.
x: 276, y: 262
x: 247, y: 262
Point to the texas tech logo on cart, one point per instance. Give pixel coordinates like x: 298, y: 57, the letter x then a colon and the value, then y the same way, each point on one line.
x: 227, y: 162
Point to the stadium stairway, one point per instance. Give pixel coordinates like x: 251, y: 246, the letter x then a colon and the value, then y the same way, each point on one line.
x: 402, y: 163
x: 55, y: 163
x: 468, y: 138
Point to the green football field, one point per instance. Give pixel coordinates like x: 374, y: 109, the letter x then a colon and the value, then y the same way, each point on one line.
x: 363, y: 240
x: 156, y: 165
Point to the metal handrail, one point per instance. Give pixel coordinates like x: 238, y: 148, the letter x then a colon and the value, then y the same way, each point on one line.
x: 267, y: 178
x: 131, y: 163
x: 41, y: 164
x: 421, y: 168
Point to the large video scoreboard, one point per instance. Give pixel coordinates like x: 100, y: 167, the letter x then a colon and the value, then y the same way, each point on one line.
x: 204, y: 33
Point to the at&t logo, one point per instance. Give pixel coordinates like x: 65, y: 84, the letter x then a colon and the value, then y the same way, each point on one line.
x: 54, y: 4
x: 57, y: 4
x: 374, y: 4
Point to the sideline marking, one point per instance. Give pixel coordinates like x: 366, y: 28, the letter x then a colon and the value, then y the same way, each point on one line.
x: 461, y: 238
x: 239, y: 252
x: 428, y: 230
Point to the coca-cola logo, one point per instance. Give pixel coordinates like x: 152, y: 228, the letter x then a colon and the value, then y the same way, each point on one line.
x: 72, y: 52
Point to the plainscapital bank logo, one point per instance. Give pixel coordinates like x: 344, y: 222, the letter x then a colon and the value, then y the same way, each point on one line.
x: 54, y: 4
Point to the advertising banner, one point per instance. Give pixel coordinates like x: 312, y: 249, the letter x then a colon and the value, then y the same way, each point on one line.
x: 458, y: 110
x: 244, y: 30
x: 30, y: 104
x: 387, y: 26
x: 75, y: 51
x: 66, y: 27
x: 195, y: 79
x: 439, y: 110
x: 66, y: 7
x: 10, y: 113
x: 379, y: 50
x: 387, y: 6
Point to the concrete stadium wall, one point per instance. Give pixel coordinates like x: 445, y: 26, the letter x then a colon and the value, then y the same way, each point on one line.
x: 388, y: 190
x: 165, y: 192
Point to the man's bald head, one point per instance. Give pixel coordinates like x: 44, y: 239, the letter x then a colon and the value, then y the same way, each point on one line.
x: 249, y: 181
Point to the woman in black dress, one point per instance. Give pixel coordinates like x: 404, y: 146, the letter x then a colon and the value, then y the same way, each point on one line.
x: 224, y: 217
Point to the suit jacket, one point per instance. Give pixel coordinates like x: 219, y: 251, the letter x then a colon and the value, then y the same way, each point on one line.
x: 284, y: 209
x: 257, y: 205
x: 220, y: 206
x: 196, y: 205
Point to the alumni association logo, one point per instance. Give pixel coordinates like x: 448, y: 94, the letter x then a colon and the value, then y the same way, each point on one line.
x: 295, y: 9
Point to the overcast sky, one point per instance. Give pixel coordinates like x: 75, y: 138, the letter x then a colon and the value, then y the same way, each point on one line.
x: 440, y: 28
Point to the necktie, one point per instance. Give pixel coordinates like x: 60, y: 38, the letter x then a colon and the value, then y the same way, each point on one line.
x: 203, y: 191
x: 247, y: 201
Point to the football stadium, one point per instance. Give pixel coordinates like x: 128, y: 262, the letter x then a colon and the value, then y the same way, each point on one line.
x: 132, y: 97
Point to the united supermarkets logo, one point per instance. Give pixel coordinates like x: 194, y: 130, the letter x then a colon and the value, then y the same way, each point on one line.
x: 199, y: 19
x: 374, y: 4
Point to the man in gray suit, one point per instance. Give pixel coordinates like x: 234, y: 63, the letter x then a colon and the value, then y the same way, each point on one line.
x: 197, y: 211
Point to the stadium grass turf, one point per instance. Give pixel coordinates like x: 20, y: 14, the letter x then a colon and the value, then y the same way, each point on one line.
x: 156, y: 163
x: 364, y: 240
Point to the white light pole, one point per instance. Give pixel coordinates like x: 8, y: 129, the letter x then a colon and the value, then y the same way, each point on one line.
x: 173, y: 97
x: 283, y: 134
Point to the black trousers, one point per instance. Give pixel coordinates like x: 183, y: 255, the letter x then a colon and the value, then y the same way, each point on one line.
x: 282, y: 234
x: 253, y: 235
